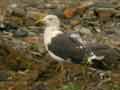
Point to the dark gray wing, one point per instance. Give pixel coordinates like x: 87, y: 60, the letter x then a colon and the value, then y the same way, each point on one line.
x: 67, y: 46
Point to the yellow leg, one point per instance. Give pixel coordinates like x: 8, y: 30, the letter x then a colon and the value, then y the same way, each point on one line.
x: 61, y: 71
x: 60, y: 67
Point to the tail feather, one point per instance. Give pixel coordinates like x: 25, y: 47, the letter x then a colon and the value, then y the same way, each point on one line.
x: 111, y: 56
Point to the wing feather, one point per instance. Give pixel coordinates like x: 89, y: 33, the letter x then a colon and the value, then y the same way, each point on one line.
x: 67, y: 47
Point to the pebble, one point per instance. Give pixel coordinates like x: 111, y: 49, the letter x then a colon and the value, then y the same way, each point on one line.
x: 105, y: 12
x: 20, y: 33
x: 50, y: 6
x: 4, y: 75
x: 39, y: 86
x: 83, y: 30
x: 84, y: 6
x: 32, y: 39
x: 17, y: 11
x: 97, y: 29
x: 8, y: 28
x: 58, y: 12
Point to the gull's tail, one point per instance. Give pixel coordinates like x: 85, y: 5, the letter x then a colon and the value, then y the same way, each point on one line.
x: 103, y: 56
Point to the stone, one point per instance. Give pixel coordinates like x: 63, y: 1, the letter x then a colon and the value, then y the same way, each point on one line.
x: 39, y: 86
x: 17, y: 11
x: 105, y: 12
x: 82, y: 30
x: 4, y: 75
x: 32, y: 39
x: 20, y: 33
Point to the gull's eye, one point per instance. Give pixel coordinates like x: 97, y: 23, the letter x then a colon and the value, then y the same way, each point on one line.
x: 50, y: 19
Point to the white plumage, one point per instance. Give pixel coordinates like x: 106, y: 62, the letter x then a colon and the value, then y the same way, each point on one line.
x: 63, y: 46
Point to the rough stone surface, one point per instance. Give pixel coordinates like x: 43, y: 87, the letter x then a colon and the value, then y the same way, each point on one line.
x: 24, y: 62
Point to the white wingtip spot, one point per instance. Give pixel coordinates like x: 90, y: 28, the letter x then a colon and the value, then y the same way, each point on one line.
x: 94, y: 57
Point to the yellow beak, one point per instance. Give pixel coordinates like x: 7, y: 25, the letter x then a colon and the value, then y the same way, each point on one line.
x: 40, y: 19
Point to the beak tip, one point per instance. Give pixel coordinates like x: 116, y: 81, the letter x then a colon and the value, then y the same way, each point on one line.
x: 39, y: 21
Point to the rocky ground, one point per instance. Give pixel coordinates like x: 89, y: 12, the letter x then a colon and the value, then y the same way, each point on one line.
x: 24, y: 63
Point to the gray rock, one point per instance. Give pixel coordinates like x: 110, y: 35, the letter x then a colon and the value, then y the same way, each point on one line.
x: 82, y: 30
x: 4, y: 75
x: 20, y: 33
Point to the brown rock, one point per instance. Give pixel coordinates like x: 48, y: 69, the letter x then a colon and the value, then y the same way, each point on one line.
x: 105, y: 12
x: 70, y: 12
x: 84, y: 6
x: 32, y: 39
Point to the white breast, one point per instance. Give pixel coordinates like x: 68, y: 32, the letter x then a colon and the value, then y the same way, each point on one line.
x: 50, y: 33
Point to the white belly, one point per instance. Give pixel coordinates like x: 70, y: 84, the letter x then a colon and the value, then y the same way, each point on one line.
x: 56, y: 57
x: 48, y: 35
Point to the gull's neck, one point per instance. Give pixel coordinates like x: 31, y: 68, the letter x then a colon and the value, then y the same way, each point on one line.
x: 51, y: 32
x: 52, y: 28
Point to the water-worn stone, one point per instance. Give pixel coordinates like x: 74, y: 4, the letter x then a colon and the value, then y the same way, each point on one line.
x: 105, y: 12
x: 20, y: 33
x: 32, y: 39
x: 4, y: 75
x: 14, y: 9
x: 83, y: 30
x: 39, y: 86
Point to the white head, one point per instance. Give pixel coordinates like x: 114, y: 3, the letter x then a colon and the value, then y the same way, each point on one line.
x: 51, y: 20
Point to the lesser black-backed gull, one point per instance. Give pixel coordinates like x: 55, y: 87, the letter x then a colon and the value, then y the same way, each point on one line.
x: 65, y: 46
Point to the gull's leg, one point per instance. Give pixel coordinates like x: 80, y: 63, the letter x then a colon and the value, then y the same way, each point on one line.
x: 60, y: 69
x: 99, y: 58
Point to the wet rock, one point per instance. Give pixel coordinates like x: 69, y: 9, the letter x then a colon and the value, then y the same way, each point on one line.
x: 15, y: 20
x: 105, y: 12
x: 35, y: 30
x: 20, y: 33
x: 97, y: 29
x: 33, y: 14
x: 4, y: 75
x: 75, y: 20
x: 15, y: 10
x: 117, y: 14
x: 83, y: 30
x: 8, y: 27
x: 79, y: 9
x: 32, y: 39
x: 39, y: 86
x: 50, y: 6
x: 56, y: 11
x: 84, y: 6
x: 70, y: 12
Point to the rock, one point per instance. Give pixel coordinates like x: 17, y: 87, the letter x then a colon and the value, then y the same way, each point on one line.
x: 56, y: 11
x: 104, y: 10
x: 117, y: 14
x: 33, y: 15
x: 97, y: 29
x: 80, y: 9
x: 84, y: 6
x: 70, y: 12
x: 20, y: 33
x: 39, y: 86
x: 36, y: 30
x: 15, y: 20
x: 75, y: 20
x: 32, y: 39
x: 83, y: 30
x: 15, y: 10
x: 8, y: 27
x: 4, y: 75
x: 105, y: 13
x: 50, y: 6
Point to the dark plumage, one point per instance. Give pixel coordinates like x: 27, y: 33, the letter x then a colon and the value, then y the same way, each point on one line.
x: 70, y: 47
x: 67, y: 47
